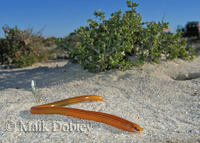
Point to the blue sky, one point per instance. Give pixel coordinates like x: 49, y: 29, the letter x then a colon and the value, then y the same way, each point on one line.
x: 60, y: 17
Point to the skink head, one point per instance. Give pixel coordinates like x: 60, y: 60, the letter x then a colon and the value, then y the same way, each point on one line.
x: 137, y: 129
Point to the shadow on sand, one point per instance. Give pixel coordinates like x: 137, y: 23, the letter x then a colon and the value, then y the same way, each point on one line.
x: 44, y: 76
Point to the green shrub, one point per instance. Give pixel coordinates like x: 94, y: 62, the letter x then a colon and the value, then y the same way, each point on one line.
x: 155, y: 42
x: 22, y: 48
x: 48, y: 42
x: 26, y: 60
x: 107, y: 44
x: 4, y: 50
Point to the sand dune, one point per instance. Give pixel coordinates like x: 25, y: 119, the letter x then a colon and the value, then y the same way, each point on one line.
x: 163, y: 98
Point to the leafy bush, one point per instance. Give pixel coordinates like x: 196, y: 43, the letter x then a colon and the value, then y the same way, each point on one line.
x: 155, y: 42
x: 22, y: 48
x: 48, y: 42
x: 69, y: 42
x: 3, y: 50
x: 107, y: 44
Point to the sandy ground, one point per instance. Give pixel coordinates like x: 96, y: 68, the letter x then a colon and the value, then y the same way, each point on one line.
x: 164, y: 99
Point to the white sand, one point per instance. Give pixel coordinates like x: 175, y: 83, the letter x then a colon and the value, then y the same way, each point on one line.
x: 167, y: 109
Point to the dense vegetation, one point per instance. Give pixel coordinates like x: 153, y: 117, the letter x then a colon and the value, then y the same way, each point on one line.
x: 108, y: 44
x: 102, y: 45
x: 23, y: 48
